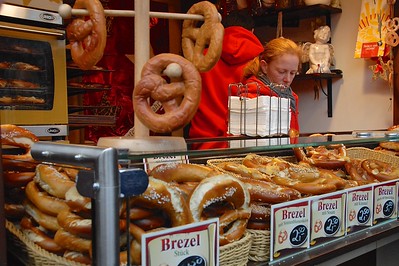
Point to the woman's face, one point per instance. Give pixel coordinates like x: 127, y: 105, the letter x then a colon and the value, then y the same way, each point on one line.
x: 281, y: 70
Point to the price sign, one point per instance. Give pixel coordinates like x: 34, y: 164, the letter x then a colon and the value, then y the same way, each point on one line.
x: 385, y: 196
x: 289, y: 228
x: 328, y: 216
x: 195, y: 244
x: 359, y: 208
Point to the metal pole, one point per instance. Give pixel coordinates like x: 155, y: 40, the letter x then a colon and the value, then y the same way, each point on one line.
x: 106, y: 190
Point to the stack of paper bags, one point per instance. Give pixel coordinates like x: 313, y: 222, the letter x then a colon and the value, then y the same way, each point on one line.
x: 261, y: 116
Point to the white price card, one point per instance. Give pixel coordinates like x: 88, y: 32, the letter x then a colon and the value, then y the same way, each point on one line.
x: 328, y: 217
x: 359, y: 208
x: 385, y: 201
x: 195, y: 244
x: 150, y: 163
x: 290, y: 224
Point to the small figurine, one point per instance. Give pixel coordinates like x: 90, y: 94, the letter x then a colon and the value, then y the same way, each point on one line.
x: 320, y: 54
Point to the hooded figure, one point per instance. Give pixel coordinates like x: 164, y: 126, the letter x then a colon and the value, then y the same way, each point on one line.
x: 240, y: 46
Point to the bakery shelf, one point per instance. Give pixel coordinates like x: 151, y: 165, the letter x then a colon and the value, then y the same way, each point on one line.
x: 294, y: 14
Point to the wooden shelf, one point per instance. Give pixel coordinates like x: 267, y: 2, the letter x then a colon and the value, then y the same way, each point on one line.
x: 323, y: 76
x: 294, y: 14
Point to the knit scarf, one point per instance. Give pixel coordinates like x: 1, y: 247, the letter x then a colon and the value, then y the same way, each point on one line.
x: 280, y: 90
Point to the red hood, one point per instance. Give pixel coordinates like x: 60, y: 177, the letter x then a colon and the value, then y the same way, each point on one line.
x: 236, y: 38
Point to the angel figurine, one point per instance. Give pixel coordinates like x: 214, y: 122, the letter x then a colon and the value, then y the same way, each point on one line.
x: 320, y: 54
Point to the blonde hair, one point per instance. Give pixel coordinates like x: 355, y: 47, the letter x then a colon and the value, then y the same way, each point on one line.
x: 272, y: 50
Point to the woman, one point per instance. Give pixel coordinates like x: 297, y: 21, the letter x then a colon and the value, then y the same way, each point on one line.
x: 273, y: 71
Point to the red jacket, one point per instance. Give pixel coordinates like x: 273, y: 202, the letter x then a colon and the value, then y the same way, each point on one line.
x: 265, y: 90
x: 239, y: 47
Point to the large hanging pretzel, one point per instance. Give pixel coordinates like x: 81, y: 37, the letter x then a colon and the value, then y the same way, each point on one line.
x: 88, y: 37
x: 180, y: 98
x: 208, y: 35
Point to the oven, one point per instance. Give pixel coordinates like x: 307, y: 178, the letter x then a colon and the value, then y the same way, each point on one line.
x: 33, y: 82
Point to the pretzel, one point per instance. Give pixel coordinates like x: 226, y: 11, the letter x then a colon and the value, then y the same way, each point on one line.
x: 52, y: 181
x: 16, y: 136
x: 357, y: 173
x: 231, y: 198
x: 392, y: 24
x: 72, y: 242
x: 182, y: 172
x: 391, y: 38
x: 39, y: 237
x: 46, y: 221
x: 328, y: 157
x: 43, y: 201
x: 380, y: 170
x: 88, y: 38
x: 209, y: 34
x: 161, y: 195
x: 152, y: 85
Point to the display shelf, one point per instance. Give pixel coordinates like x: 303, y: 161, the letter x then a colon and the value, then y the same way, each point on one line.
x: 295, y: 14
x: 320, y: 77
x: 343, y: 249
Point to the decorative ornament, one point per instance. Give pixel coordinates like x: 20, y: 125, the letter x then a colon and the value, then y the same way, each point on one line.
x: 383, y: 70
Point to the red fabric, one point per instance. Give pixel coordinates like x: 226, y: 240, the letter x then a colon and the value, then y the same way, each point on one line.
x: 265, y: 90
x: 239, y: 47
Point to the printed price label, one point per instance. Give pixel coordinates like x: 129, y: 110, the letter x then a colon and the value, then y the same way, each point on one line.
x: 195, y: 244
x: 328, y: 216
x: 289, y: 228
x: 384, y: 201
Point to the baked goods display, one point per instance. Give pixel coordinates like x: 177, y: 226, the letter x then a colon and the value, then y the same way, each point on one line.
x: 44, y: 202
x: 196, y: 37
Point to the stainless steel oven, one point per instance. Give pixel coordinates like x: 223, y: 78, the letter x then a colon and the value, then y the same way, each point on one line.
x: 33, y: 86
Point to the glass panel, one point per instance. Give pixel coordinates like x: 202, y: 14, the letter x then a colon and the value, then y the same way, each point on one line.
x: 26, y: 75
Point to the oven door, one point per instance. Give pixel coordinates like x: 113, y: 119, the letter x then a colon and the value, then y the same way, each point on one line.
x: 33, y: 89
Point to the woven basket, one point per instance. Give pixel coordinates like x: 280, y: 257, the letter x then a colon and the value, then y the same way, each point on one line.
x: 236, y: 253
x: 31, y: 254
x: 260, y: 248
x: 365, y: 153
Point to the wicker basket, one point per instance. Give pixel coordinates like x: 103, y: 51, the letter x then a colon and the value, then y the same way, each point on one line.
x: 236, y: 253
x: 365, y: 153
x: 260, y: 248
x: 31, y: 254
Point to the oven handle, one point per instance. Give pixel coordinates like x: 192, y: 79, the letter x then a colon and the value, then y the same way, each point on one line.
x: 58, y: 35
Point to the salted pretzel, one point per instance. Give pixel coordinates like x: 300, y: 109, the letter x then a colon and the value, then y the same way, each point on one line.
x: 180, y: 98
x: 231, y: 198
x: 209, y: 35
x: 329, y: 157
x: 380, y: 170
x: 87, y: 37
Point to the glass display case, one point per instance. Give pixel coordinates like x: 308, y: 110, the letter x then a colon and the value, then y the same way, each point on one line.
x: 102, y: 182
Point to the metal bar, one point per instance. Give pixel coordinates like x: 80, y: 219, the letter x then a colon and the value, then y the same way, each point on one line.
x: 67, y: 11
x: 106, y: 190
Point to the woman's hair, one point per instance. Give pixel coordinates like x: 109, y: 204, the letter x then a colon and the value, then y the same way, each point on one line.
x: 272, y: 50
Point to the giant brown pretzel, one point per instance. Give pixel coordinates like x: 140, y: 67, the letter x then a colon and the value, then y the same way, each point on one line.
x: 208, y: 35
x: 184, y: 86
x: 88, y: 37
